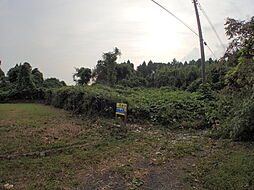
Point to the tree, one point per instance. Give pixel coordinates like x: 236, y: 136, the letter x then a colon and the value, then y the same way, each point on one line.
x: 53, y: 83
x: 13, y: 74
x: 242, y: 35
x: 82, y: 76
x: 241, y: 77
x: 105, y: 71
x: 3, y: 81
x: 25, y: 81
x: 1, y: 73
x: 241, y: 52
x: 124, y: 71
x: 142, y: 70
x: 37, y: 77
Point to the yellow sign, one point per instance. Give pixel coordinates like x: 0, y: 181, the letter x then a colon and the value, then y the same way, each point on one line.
x: 121, y: 108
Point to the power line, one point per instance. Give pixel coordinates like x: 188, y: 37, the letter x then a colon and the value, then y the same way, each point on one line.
x: 176, y: 17
x: 210, y: 50
x: 211, y: 24
x: 192, y: 30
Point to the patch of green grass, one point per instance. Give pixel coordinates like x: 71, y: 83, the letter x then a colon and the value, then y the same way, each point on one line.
x: 234, y: 172
x: 34, y: 127
x: 136, y: 183
x: 185, y: 148
x: 229, y: 168
x: 25, y: 112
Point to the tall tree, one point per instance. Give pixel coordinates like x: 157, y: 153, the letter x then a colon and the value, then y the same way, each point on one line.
x: 241, y: 48
x: 82, y: 76
x: 124, y: 70
x: 142, y: 70
x: 25, y: 81
x: 105, y: 71
x: 13, y: 74
x: 242, y: 35
x: 37, y: 77
x: 53, y: 83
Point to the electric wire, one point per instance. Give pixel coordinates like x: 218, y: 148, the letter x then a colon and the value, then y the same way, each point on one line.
x: 210, y: 50
x: 175, y: 17
x: 164, y: 8
x: 211, y: 24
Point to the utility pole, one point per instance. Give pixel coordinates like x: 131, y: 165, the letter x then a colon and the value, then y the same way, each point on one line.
x: 201, y: 42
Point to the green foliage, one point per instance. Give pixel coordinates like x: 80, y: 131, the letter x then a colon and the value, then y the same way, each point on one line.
x: 172, y: 108
x: 241, y: 77
x: 37, y: 77
x: 134, y: 81
x: 13, y: 74
x: 239, y: 121
x: 154, y: 75
x: 242, y: 35
x: 205, y: 92
x: 82, y: 76
x: 21, y: 84
x: 145, y: 70
x: 99, y: 100
x: 235, y: 115
x: 124, y: 71
x: 216, y: 76
x: 53, y: 83
x: 24, y: 83
x: 232, y: 171
x: 194, y: 86
x: 142, y: 70
x: 105, y: 71
x: 174, y: 74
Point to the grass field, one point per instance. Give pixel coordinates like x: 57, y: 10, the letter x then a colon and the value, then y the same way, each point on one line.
x: 49, y: 149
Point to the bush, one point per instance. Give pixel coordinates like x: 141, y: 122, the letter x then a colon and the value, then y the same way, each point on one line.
x: 160, y: 106
x: 99, y: 100
x: 239, y: 125
x: 193, y: 87
x: 25, y: 94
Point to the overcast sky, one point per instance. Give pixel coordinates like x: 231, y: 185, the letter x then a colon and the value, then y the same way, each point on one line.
x: 58, y: 35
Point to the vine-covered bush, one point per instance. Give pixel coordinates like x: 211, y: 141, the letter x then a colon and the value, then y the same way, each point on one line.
x: 239, y: 122
x: 100, y: 100
x: 161, y: 106
x: 23, y: 94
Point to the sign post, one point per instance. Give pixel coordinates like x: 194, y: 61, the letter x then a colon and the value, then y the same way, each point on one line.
x: 121, y: 109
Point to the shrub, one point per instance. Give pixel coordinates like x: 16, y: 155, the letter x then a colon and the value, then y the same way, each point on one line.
x: 239, y: 125
x: 97, y: 99
x: 160, y: 106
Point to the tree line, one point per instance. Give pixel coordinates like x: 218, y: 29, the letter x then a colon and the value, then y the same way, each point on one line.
x: 229, y: 71
x: 24, y: 82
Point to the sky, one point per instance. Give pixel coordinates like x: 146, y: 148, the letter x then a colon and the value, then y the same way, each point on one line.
x: 58, y: 36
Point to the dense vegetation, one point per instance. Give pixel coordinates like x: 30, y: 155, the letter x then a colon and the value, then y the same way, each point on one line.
x: 24, y: 83
x: 170, y: 94
x: 163, y: 106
